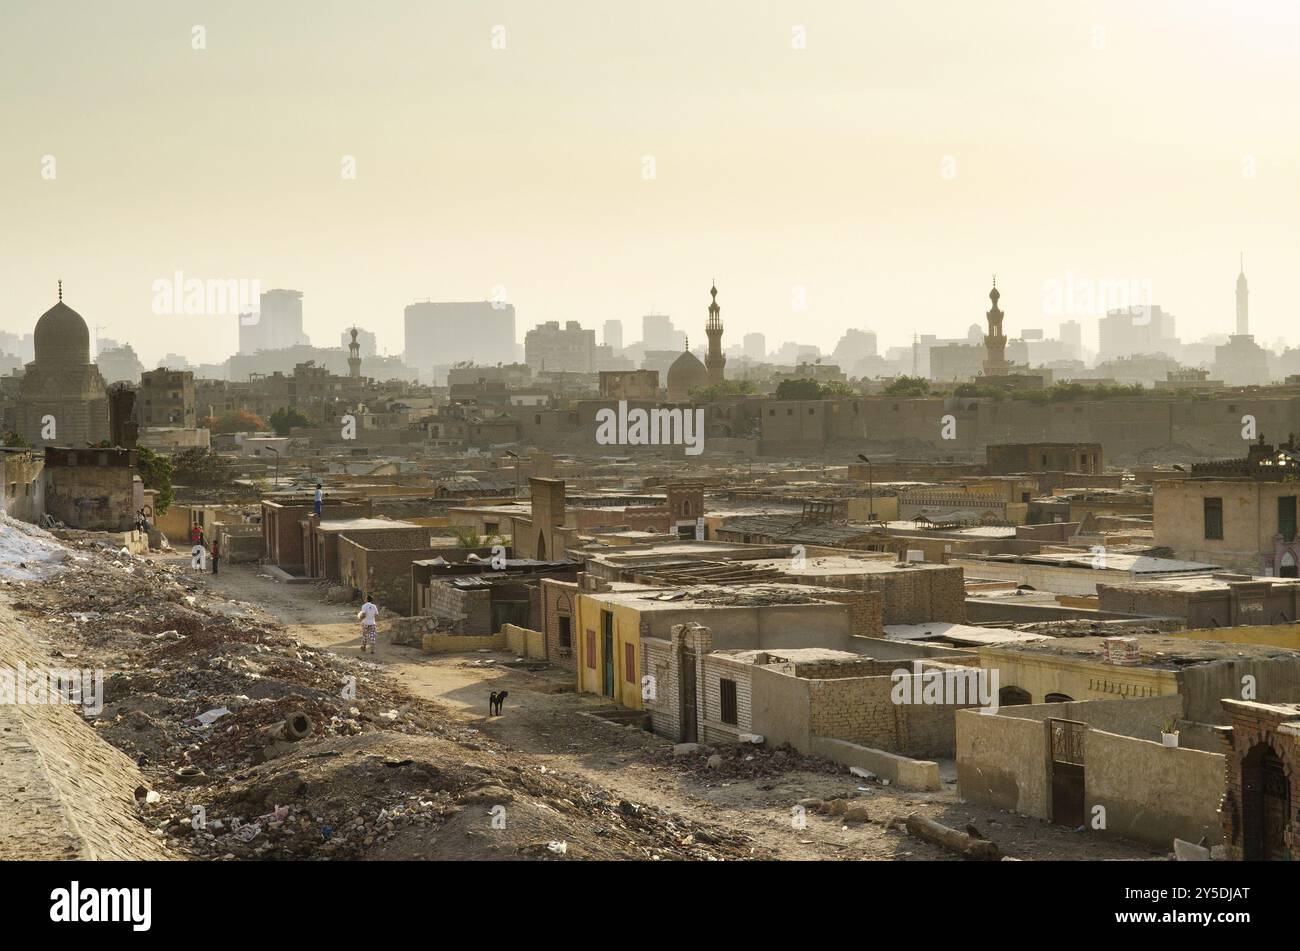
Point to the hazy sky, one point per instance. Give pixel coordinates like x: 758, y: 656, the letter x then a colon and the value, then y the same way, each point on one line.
x: 1126, y: 141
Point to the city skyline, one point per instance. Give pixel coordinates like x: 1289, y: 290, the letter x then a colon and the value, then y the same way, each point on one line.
x: 837, y: 192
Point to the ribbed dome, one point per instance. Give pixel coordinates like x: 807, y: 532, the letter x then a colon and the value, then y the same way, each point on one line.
x: 61, y: 337
x: 686, y: 373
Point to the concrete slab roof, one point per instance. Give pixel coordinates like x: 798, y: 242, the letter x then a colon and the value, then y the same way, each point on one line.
x: 1114, y: 561
x: 869, y: 563
x: 1157, y: 651
x: 711, y: 598
x: 353, y: 524
x: 798, y: 655
x: 958, y: 634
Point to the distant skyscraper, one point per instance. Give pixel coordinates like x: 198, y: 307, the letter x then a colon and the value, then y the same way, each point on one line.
x: 612, y: 334
x: 1128, y: 331
x: 1243, y: 302
x: 716, y: 361
x: 657, y: 332
x: 277, y: 325
x: 1071, y: 334
x: 551, y: 347
x: 754, y: 346
x: 440, y: 334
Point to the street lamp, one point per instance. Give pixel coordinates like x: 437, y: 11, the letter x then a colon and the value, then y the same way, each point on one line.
x: 515, y: 457
x: 871, y: 490
x: 277, y: 463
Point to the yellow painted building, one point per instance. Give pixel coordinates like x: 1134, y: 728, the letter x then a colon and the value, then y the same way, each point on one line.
x: 1266, y: 635
x: 609, y: 650
x: 1046, y: 677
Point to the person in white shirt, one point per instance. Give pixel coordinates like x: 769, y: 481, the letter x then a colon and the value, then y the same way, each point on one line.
x: 369, y: 615
x: 320, y: 497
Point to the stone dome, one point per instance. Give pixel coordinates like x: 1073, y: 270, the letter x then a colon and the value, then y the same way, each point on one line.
x: 687, y: 373
x: 61, y: 337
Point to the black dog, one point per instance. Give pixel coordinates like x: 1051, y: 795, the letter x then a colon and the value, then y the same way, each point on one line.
x: 495, y: 701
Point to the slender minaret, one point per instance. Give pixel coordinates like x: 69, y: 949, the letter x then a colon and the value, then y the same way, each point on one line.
x: 714, y: 361
x: 995, y: 341
x: 1243, y: 304
x: 354, y: 357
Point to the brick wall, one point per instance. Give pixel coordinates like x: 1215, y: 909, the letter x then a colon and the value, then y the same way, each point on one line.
x: 908, y: 595
x: 862, y: 710
x: 657, y: 662
x: 557, y: 599
x: 469, y: 611
x: 866, y: 610
x: 715, y: 669
x: 1253, y: 725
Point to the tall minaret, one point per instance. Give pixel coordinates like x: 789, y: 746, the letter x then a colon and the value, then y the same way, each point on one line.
x: 995, y: 341
x: 354, y: 357
x: 714, y: 361
x: 1243, y: 305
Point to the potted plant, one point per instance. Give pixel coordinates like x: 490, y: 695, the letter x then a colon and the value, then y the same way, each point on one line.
x: 1169, y: 732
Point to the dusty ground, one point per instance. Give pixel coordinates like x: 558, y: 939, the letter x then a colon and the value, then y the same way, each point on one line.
x: 550, y: 730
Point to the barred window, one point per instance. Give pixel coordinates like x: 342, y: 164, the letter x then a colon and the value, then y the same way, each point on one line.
x: 728, y: 691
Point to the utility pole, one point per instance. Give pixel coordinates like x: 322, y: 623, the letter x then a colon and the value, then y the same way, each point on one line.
x: 871, y: 490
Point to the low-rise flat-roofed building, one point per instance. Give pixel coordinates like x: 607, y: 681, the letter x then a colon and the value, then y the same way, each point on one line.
x: 1244, y: 524
x: 1008, y: 458
x: 835, y: 704
x: 1207, y: 601
x: 93, y: 489
x: 610, y: 626
x: 1076, y: 572
x: 899, y: 593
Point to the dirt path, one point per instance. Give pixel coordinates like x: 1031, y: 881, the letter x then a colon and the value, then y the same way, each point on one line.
x: 547, y: 722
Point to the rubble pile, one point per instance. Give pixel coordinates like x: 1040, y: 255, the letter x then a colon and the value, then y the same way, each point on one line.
x: 732, y: 762
x: 258, y: 747
x: 1083, y: 627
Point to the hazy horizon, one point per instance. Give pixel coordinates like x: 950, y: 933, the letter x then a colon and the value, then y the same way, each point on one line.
x: 1102, y: 141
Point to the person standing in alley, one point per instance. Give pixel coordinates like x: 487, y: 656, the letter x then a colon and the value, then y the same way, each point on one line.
x: 216, y: 554
x: 369, y: 615
x: 320, y: 497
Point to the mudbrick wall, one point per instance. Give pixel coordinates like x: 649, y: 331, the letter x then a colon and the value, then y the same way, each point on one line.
x: 909, y: 595
x: 64, y: 792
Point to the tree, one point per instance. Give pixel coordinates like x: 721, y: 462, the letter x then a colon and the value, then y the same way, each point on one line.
x: 199, y: 467
x: 908, y: 386
x: 235, y: 421
x: 13, y: 440
x: 284, y: 419
x: 798, y: 390
x: 467, y: 537
x: 156, y: 473
x: 837, y: 388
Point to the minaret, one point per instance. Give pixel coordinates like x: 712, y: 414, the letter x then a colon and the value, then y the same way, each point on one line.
x: 354, y: 357
x: 1243, y: 305
x: 995, y: 341
x: 714, y: 361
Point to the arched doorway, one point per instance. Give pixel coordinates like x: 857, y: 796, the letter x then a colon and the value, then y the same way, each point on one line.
x: 1265, y: 805
x: 1013, y: 697
x: 541, y: 546
x: 1287, y: 568
x: 1058, y: 698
